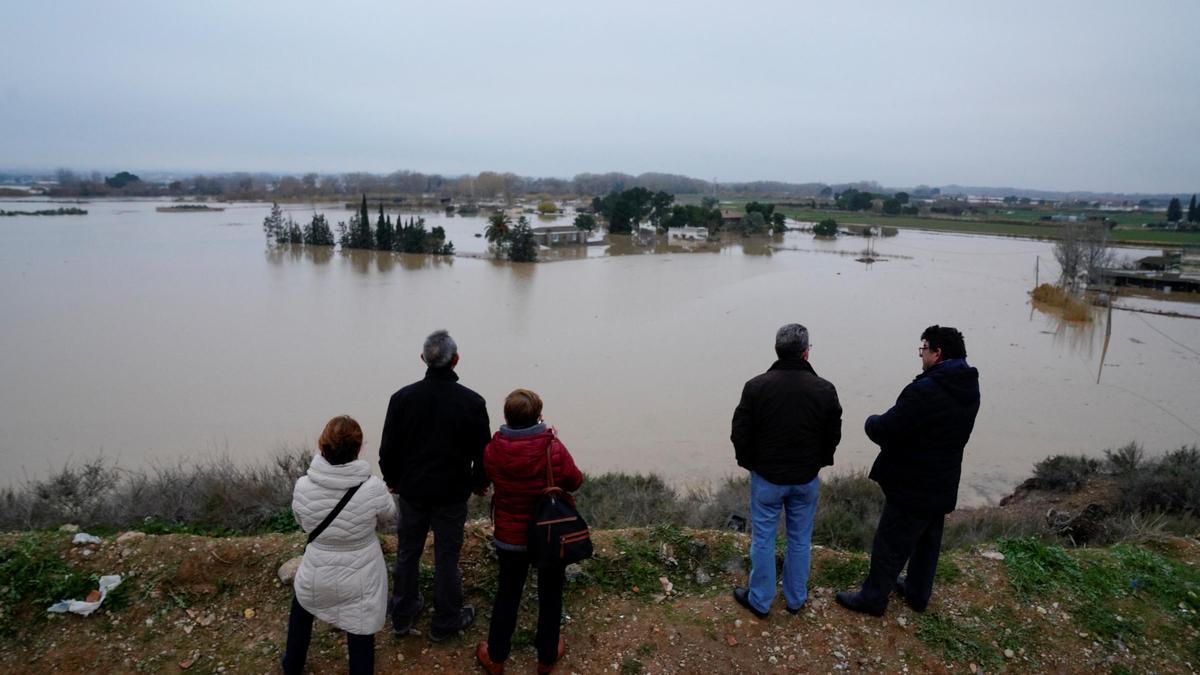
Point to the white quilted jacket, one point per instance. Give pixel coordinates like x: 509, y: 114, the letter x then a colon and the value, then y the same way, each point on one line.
x: 343, y: 579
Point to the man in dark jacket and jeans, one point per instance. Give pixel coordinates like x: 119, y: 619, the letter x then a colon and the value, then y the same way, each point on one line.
x: 431, y: 456
x: 785, y: 428
x: 921, y: 441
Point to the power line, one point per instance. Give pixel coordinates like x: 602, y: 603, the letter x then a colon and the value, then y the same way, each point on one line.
x: 1177, y: 342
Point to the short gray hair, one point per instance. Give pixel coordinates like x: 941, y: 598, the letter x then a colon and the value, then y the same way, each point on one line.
x: 791, y: 340
x: 439, y: 350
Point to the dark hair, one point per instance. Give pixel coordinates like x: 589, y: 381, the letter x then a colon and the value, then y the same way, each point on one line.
x: 947, y: 339
x: 522, y: 408
x: 341, y: 440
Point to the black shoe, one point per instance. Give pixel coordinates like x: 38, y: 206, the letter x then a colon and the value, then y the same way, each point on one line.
x: 403, y: 629
x: 795, y: 611
x: 902, y: 590
x: 743, y: 598
x: 855, y: 603
x: 465, y: 619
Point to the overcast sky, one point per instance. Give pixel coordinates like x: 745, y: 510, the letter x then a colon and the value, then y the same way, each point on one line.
x: 1072, y: 95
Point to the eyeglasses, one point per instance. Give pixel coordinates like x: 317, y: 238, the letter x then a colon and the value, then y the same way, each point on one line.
x: 921, y: 350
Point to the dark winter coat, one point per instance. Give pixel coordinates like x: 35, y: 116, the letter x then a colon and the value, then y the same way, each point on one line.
x: 431, y: 452
x: 921, y: 439
x: 787, y: 424
x: 515, y: 461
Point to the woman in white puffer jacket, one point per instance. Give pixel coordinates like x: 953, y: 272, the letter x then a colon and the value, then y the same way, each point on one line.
x: 342, y: 579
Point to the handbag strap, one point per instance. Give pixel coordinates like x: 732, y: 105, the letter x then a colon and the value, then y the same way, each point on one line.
x: 549, y: 464
x: 334, y: 513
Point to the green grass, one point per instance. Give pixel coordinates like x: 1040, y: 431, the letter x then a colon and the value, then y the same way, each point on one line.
x: 947, y: 572
x: 956, y: 641
x: 639, y: 561
x: 34, y: 573
x: 842, y: 574
x: 1119, y: 593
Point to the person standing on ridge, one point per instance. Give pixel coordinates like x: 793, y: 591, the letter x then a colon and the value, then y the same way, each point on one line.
x: 785, y: 429
x: 921, y: 441
x: 431, y: 457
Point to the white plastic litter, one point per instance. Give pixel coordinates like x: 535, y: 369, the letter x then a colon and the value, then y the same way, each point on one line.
x: 85, y: 538
x: 107, y: 583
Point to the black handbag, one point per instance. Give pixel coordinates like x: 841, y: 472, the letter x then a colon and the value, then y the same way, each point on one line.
x: 558, y: 535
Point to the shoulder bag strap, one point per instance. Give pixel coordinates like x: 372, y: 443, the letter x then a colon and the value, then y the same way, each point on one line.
x: 549, y: 465
x: 334, y: 513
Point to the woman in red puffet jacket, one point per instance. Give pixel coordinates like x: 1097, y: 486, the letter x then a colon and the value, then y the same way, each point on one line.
x: 515, y: 462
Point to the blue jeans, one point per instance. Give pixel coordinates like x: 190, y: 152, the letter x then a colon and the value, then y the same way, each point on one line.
x: 767, y: 500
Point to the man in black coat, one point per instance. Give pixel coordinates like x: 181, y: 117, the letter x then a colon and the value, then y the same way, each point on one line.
x: 431, y: 456
x: 921, y: 441
x: 785, y: 428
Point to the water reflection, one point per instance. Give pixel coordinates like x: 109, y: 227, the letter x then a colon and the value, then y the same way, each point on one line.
x: 384, y: 262
x: 319, y: 255
x: 1078, y: 337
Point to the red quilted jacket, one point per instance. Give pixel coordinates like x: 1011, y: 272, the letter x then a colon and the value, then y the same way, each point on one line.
x: 517, y: 469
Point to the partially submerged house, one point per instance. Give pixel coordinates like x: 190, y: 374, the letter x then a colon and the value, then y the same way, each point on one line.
x: 559, y: 235
x: 688, y: 233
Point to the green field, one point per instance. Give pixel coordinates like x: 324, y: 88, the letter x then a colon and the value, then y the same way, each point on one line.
x: 1123, y: 234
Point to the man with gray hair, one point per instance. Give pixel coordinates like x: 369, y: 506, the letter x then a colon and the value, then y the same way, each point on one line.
x: 785, y: 429
x: 431, y: 457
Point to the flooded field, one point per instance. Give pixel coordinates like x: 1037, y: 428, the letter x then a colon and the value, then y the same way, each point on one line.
x: 151, y: 337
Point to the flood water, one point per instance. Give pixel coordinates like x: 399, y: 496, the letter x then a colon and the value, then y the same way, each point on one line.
x: 151, y: 337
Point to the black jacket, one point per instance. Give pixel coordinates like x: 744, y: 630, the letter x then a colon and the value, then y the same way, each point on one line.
x: 433, y: 438
x: 787, y: 424
x: 921, y: 439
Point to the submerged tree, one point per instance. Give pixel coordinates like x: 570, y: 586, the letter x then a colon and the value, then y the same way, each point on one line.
x: 585, y: 221
x: 1082, y: 251
x: 317, y: 232
x: 273, y: 224
x: 385, y: 234
x: 497, y: 229
x: 292, y: 232
x: 521, y: 245
x: 826, y: 228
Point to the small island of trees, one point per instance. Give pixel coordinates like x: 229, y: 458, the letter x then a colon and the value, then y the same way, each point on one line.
x: 70, y: 211
x: 402, y: 237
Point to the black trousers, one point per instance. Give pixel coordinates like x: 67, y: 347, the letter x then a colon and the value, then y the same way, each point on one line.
x: 447, y: 524
x: 300, y: 623
x: 514, y: 568
x: 903, y: 537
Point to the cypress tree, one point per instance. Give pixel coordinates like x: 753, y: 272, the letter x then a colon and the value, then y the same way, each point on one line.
x: 1174, y: 211
x: 1192, y: 215
x: 385, y: 238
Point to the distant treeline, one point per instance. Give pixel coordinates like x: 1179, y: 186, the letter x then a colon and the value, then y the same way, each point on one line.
x: 489, y: 185
x: 402, y: 237
x: 486, y: 185
x: 47, y: 212
x: 625, y: 210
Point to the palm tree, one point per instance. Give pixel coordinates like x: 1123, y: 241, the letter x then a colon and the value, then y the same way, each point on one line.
x: 497, y: 228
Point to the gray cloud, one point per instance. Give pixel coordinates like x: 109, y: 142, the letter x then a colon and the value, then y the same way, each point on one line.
x: 1068, y: 95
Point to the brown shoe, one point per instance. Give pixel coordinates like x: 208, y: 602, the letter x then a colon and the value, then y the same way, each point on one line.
x: 486, y: 662
x: 544, y: 668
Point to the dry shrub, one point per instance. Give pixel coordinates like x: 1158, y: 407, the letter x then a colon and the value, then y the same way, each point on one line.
x: 1063, y: 473
x: 1073, y: 307
x: 1049, y: 294
x: 211, y: 495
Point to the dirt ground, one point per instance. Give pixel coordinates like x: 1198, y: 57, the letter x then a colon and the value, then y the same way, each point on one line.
x: 205, y: 605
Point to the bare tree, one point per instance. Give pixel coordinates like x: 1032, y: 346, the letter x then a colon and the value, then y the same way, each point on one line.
x: 1082, y: 252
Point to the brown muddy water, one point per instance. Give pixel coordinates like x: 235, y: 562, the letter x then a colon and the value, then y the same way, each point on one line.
x: 150, y: 337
